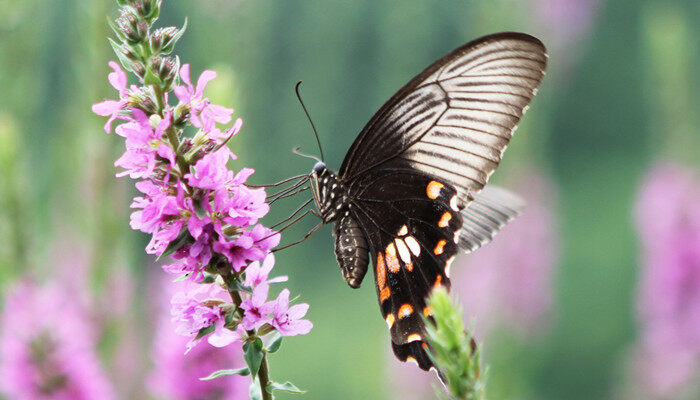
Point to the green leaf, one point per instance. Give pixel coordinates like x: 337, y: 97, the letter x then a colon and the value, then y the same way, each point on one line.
x: 175, y: 245
x: 205, y: 331
x: 199, y: 208
x: 254, y: 390
x: 125, y: 62
x: 170, y: 45
x: 253, y: 355
x: 275, y: 344
x: 227, y: 372
x: 150, y: 78
x: 116, y: 30
x: 285, y: 387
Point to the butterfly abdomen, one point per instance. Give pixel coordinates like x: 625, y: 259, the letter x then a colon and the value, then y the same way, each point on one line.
x: 351, y: 250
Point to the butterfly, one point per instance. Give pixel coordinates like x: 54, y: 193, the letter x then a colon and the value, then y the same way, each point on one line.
x: 412, y: 191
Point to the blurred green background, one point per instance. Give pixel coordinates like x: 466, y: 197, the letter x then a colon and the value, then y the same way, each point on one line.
x: 594, y: 128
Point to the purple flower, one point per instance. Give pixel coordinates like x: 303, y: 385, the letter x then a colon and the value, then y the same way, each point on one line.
x: 287, y: 320
x: 176, y: 375
x: 509, y: 282
x: 47, y: 347
x: 203, y: 113
x: 210, y: 171
x: 252, y: 245
x: 111, y: 108
x: 198, y: 307
x: 245, y: 205
x: 256, y: 275
x: 144, y: 145
x: 668, y: 221
x: 256, y: 308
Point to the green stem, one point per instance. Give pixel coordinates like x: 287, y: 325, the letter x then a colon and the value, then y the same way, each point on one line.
x: 264, y: 371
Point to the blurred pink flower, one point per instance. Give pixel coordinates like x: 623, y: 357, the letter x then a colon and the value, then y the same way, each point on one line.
x: 668, y: 221
x: 47, y: 347
x: 176, y: 375
x: 508, y: 282
x: 567, y: 20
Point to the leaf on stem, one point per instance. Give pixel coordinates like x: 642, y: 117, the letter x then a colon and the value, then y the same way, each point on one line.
x: 227, y: 372
x: 288, y: 387
x: 253, y: 355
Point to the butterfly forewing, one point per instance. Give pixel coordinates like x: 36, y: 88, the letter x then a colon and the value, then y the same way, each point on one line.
x: 455, y: 119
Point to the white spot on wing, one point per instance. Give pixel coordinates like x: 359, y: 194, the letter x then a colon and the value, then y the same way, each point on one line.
x: 453, y: 203
x: 448, y: 265
x: 413, y: 245
x: 403, y: 251
x: 403, y: 231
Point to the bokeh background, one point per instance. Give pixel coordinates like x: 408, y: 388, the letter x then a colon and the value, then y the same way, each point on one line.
x: 593, y: 294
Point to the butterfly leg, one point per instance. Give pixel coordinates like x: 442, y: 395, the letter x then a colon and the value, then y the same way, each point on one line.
x: 308, y: 235
x: 293, y: 214
x: 294, y: 178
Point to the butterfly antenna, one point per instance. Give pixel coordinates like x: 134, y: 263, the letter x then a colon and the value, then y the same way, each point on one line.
x: 296, y: 89
x: 299, y: 153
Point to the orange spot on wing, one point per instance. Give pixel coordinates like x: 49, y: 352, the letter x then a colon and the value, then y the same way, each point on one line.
x: 390, y: 320
x: 414, y: 337
x: 438, y: 281
x: 425, y: 346
x: 384, y: 294
x: 391, y: 261
x: 409, y: 267
x: 433, y: 189
x: 445, y: 219
x: 381, y: 271
x: 440, y: 247
x: 405, y: 310
x: 427, y: 311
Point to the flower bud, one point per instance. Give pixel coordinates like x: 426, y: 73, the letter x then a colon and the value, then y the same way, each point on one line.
x: 163, y: 39
x: 181, y: 114
x: 232, y: 231
x: 138, y: 68
x: 147, y: 9
x: 131, y: 25
x: 143, y: 100
x: 165, y: 69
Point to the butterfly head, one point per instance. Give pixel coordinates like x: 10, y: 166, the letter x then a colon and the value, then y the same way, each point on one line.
x: 328, y: 191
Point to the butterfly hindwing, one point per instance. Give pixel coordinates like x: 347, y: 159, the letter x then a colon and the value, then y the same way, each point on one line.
x: 411, y: 226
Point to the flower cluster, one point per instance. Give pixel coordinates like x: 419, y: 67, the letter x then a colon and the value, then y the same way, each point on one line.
x: 668, y: 219
x: 52, y: 357
x: 175, y: 374
x: 195, y: 209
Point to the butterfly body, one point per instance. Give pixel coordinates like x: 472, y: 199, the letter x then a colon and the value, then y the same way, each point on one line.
x: 411, y: 190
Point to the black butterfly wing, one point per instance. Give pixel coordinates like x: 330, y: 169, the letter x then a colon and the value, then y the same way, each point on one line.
x: 412, y: 227
x: 423, y: 157
x: 455, y: 119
